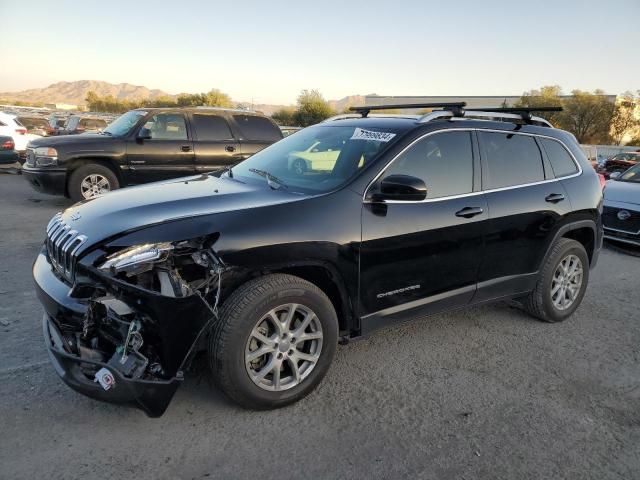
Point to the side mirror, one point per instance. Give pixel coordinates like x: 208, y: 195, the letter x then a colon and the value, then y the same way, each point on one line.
x: 615, y: 175
x: 144, y: 134
x: 402, y: 187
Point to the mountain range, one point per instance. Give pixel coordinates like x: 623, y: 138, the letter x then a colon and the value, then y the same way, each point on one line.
x: 74, y: 93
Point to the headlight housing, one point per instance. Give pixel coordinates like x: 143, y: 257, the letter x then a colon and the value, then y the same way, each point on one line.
x: 136, y: 259
x: 46, y: 156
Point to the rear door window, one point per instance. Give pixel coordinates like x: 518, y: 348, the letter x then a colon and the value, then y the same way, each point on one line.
x: 561, y: 161
x: 211, y: 128
x: 510, y: 160
x: 257, y: 128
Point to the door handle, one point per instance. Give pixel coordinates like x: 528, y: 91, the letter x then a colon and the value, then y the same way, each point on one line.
x: 468, y: 212
x: 230, y: 148
x: 554, y: 198
x: 185, y: 148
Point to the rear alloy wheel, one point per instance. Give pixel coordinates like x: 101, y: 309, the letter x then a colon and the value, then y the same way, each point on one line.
x: 274, y: 341
x: 561, y: 283
x: 90, y: 181
x: 566, y: 282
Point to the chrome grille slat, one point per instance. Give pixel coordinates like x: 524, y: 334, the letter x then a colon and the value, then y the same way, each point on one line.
x: 63, y: 243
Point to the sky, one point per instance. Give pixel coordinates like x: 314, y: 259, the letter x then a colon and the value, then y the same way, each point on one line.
x: 268, y: 51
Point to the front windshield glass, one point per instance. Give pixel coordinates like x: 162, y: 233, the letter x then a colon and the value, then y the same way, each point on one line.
x: 124, y: 123
x: 631, y: 175
x: 316, y: 159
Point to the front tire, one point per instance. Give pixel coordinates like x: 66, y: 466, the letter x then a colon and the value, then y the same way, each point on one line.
x: 274, y: 342
x: 561, y: 284
x: 90, y: 181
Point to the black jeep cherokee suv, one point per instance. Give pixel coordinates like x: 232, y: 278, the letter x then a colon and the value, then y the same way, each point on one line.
x: 146, y: 145
x: 268, y: 267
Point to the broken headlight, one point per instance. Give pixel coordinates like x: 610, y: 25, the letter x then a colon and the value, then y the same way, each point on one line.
x: 136, y: 259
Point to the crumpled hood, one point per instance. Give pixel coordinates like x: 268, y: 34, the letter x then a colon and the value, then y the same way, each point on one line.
x: 628, y: 192
x: 128, y: 209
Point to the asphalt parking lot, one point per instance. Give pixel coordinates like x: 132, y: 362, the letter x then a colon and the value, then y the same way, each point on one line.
x: 479, y: 393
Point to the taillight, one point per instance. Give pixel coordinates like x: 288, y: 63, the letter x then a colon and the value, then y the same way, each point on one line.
x: 8, y: 145
x: 21, y: 131
x: 603, y: 180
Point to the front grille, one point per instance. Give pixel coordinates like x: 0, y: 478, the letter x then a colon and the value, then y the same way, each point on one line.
x: 62, y: 245
x: 630, y: 225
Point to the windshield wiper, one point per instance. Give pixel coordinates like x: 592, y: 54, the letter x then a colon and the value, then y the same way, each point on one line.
x: 104, y: 132
x: 273, y: 181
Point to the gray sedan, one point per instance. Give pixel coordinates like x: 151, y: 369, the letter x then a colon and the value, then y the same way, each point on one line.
x: 621, y: 215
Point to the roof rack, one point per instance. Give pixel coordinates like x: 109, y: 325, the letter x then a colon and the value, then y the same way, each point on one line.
x: 365, y: 109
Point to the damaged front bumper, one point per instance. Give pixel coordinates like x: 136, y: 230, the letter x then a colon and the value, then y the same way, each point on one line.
x: 116, y: 342
x: 152, y: 396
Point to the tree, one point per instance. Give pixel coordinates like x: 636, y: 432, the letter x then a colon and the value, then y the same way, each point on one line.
x: 588, y: 116
x: 547, y: 96
x: 216, y: 98
x: 624, y: 120
x: 312, y: 108
x: 284, y: 116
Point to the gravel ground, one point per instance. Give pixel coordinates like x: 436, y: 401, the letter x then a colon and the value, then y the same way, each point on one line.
x: 479, y: 393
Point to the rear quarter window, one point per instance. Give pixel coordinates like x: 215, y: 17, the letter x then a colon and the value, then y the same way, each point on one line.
x: 561, y: 161
x: 510, y: 160
x: 257, y: 128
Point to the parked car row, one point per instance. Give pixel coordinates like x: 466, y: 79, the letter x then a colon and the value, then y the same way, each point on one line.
x: 618, y: 163
x: 62, y: 125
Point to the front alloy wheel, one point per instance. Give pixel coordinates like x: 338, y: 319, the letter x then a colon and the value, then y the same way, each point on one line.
x: 274, y: 341
x: 284, y: 347
x: 94, y: 185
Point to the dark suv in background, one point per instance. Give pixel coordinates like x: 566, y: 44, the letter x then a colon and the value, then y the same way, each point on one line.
x: 267, y: 266
x: 146, y: 145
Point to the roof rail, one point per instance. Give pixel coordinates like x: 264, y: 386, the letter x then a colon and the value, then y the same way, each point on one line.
x: 515, y: 113
x: 365, y: 109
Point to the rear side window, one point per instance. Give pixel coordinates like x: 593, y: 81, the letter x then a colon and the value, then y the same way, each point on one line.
x: 561, y: 161
x: 211, y: 128
x: 257, y: 128
x: 510, y: 159
x: 444, y: 162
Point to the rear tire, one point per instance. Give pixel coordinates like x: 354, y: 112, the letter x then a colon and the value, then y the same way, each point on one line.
x: 290, y: 368
x: 91, y: 180
x: 561, y: 283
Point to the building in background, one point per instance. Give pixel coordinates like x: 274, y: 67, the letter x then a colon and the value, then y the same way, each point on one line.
x: 64, y: 106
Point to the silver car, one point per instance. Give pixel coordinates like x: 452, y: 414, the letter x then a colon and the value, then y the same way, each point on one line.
x: 621, y: 215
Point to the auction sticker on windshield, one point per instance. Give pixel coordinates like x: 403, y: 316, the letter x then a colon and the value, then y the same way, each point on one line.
x: 362, y: 134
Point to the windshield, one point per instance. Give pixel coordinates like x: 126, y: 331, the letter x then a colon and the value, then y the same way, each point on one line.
x: 124, y: 123
x: 631, y: 175
x: 317, y: 159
